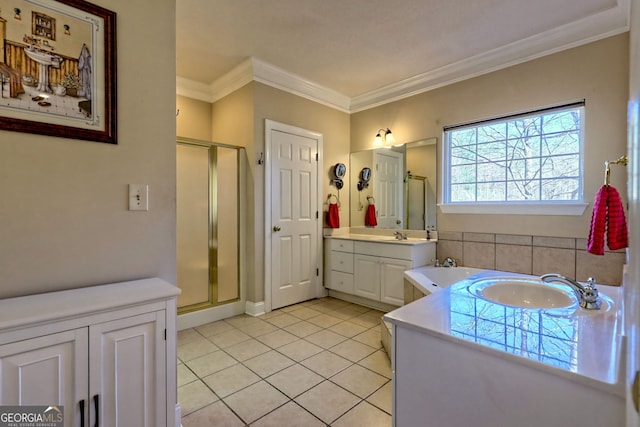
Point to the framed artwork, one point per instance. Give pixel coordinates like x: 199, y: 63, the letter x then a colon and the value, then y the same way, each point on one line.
x: 58, y: 69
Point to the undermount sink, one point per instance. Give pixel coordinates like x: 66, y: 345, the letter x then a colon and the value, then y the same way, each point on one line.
x: 523, y: 292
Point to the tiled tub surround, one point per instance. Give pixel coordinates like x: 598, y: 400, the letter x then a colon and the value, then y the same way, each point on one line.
x: 506, y: 365
x: 534, y: 255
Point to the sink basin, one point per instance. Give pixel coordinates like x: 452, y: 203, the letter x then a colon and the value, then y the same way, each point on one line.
x: 523, y: 292
x: 43, y: 57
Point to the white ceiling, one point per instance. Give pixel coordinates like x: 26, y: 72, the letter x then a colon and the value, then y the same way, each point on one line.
x: 358, y: 53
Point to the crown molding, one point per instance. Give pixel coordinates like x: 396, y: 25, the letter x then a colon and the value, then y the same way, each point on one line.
x: 595, y: 27
x: 604, y: 24
x: 289, y: 82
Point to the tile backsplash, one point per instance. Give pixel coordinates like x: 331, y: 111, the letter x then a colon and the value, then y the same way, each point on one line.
x: 535, y: 255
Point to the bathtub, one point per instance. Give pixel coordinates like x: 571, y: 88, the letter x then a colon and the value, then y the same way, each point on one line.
x: 431, y: 279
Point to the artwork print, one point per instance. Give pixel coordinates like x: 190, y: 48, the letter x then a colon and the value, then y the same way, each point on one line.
x: 57, y: 69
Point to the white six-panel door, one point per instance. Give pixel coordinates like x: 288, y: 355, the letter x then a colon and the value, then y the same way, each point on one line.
x: 388, y: 188
x: 293, y: 212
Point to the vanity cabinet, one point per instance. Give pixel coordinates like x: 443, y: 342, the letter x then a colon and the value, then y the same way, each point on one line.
x: 373, y: 270
x: 105, y: 353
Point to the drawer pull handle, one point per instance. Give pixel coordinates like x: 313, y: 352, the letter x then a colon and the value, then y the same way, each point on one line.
x: 81, y: 413
x: 96, y: 403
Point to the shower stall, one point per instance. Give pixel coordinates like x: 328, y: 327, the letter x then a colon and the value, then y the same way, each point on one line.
x: 208, y: 198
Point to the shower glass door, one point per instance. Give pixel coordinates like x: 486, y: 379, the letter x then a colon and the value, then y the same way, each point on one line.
x: 207, y: 202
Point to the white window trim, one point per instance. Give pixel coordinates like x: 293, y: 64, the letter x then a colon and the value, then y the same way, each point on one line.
x: 534, y: 208
x: 567, y: 208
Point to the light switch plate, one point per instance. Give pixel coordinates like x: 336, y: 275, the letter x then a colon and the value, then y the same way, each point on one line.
x: 138, y: 197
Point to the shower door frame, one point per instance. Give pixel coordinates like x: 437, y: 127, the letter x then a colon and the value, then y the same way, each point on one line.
x: 213, y: 225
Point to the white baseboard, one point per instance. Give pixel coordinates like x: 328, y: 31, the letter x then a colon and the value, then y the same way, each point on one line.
x: 178, y: 422
x: 213, y: 314
x: 255, y: 308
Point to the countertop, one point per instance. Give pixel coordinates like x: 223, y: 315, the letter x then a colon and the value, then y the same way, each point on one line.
x: 583, y: 345
x: 382, y: 239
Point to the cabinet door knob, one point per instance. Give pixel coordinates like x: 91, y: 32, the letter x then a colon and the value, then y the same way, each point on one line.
x: 276, y: 228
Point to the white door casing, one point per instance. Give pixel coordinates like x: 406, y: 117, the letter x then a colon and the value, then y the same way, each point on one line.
x: 293, y: 244
x: 388, y: 188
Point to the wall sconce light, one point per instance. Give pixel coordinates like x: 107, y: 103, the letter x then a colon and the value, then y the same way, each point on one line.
x: 17, y: 13
x: 67, y: 29
x: 384, y: 138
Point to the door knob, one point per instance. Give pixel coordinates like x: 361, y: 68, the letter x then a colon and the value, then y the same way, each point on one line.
x: 276, y: 228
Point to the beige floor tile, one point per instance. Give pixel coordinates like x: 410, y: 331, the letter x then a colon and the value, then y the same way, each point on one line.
x: 324, y: 320
x: 214, y: 328
x: 299, y: 350
x: 359, y: 381
x: 302, y: 329
x: 295, y: 380
x: 283, y: 320
x: 290, y: 415
x: 257, y: 329
x: 367, y: 320
x: 364, y: 415
x: 370, y: 337
x: 382, y: 398
x: 216, y: 414
x: 325, y: 338
x: 353, y: 350
x: 326, y: 363
x: 327, y: 401
x: 242, y: 320
x: 268, y: 363
x: 211, y: 363
x: 378, y: 362
x: 247, y: 349
x: 255, y: 401
x: 305, y: 313
x: 277, y: 338
x: 228, y: 338
x: 195, y: 348
x: 348, y: 329
x: 230, y: 380
x: 185, y: 376
x: 194, y: 396
x: 187, y: 335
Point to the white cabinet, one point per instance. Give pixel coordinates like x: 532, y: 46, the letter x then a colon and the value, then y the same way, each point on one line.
x: 373, y: 270
x: 106, y: 353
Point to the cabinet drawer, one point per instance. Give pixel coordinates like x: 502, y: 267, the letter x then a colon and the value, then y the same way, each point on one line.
x: 341, y: 261
x: 342, y: 245
x: 340, y: 281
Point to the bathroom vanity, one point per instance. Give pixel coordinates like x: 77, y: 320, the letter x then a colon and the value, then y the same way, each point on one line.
x: 460, y: 359
x: 368, y: 269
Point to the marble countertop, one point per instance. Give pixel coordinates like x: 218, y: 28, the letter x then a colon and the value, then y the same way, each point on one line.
x: 583, y: 345
x: 382, y: 239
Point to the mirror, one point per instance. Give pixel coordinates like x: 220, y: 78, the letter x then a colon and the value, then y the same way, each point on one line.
x: 402, y: 185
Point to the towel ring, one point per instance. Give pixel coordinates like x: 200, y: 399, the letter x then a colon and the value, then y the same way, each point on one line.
x: 624, y: 160
x: 371, y: 200
x: 337, y: 200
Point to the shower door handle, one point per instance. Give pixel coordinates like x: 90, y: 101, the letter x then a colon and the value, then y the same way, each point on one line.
x: 276, y: 228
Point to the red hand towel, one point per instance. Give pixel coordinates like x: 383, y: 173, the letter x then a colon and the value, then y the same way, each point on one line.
x: 370, y: 217
x: 595, y: 243
x: 333, y: 216
x: 617, y: 235
x: 607, y: 218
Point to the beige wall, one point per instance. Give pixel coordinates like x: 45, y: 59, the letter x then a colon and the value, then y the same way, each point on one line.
x: 193, y: 119
x: 64, y: 221
x: 597, y: 72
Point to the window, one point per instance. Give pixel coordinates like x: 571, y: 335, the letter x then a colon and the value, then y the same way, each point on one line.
x: 531, y: 162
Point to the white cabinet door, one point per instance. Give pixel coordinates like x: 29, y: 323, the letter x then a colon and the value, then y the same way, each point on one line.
x: 392, y: 280
x: 128, y: 373
x: 49, y: 370
x: 366, y: 280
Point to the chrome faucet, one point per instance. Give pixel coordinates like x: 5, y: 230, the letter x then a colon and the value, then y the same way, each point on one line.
x: 587, y: 295
x: 449, y: 262
x: 399, y: 235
